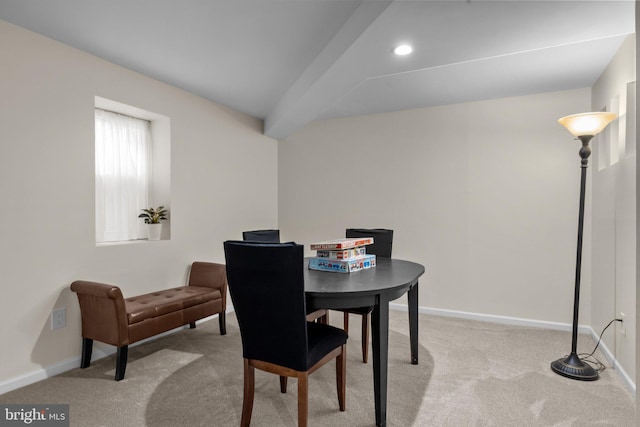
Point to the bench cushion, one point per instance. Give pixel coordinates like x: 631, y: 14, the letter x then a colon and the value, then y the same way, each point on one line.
x: 158, y: 303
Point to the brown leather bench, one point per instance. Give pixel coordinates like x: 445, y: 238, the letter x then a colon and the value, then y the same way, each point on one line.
x: 110, y: 318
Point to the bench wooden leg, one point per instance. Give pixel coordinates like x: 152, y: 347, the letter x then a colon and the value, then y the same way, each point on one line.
x: 222, y: 320
x: 121, y: 362
x: 87, y: 349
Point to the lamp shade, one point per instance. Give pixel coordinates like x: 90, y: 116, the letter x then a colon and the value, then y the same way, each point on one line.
x: 584, y: 124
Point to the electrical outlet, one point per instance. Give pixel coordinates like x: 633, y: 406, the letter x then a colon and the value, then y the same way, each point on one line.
x: 58, y: 318
x: 623, y: 330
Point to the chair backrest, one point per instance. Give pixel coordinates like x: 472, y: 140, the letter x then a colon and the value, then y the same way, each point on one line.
x: 382, y: 240
x: 266, y: 283
x: 269, y: 236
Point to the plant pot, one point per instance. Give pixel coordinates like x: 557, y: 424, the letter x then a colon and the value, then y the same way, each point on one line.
x: 154, y: 231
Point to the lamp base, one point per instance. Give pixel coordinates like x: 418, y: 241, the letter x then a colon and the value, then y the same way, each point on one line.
x: 574, y: 368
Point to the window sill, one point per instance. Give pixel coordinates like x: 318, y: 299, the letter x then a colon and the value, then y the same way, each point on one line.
x: 128, y: 242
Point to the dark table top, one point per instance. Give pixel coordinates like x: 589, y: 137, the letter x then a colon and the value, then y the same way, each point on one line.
x: 390, y: 278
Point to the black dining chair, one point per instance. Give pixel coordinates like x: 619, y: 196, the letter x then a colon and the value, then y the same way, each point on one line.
x: 266, y: 283
x: 270, y: 236
x: 381, y: 247
x: 273, y: 236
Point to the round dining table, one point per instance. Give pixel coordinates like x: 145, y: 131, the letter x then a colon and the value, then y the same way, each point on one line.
x: 374, y: 287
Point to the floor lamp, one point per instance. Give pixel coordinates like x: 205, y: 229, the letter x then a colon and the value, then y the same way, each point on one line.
x: 584, y: 127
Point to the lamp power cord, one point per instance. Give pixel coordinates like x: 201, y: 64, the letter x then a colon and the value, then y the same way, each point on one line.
x: 590, y: 358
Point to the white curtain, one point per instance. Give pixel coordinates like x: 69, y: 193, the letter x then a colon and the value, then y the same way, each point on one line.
x: 123, y: 171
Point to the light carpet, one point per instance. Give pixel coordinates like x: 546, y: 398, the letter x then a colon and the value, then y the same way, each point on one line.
x: 470, y: 374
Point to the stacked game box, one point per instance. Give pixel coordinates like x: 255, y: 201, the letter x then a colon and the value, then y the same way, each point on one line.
x: 342, y: 255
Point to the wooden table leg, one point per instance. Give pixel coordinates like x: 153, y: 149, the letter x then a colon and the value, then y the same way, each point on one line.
x: 413, y: 322
x: 380, y: 341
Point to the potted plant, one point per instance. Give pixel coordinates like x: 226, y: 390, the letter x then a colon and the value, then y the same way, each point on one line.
x: 152, y: 217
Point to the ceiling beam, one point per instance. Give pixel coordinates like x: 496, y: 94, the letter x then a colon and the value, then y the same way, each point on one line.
x: 328, y: 77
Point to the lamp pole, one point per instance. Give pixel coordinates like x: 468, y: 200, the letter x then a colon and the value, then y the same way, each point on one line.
x: 584, y: 127
x: 572, y: 366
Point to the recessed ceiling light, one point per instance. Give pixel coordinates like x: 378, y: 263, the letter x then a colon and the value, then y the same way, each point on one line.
x: 403, y: 49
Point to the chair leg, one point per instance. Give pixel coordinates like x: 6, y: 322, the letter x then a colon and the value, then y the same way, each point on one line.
x: 121, y: 362
x: 249, y: 388
x: 345, y: 324
x: 325, y: 319
x: 341, y: 377
x: 87, y: 349
x: 365, y: 337
x: 222, y: 321
x: 303, y: 398
x: 283, y: 384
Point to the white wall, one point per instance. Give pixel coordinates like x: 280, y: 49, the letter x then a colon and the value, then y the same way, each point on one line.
x: 613, y: 172
x: 637, y: 300
x: 47, y: 237
x: 484, y: 194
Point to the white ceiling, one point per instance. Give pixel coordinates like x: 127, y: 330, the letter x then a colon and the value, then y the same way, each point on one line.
x: 290, y: 62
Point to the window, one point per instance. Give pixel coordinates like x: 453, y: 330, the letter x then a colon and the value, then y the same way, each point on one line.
x: 123, y: 172
x: 132, y: 169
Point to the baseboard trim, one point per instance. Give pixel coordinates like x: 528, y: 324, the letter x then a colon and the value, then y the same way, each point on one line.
x: 74, y: 362
x: 616, y: 365
x: 517, y: 321
x: 39, y: 375
x: 505, y: 320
